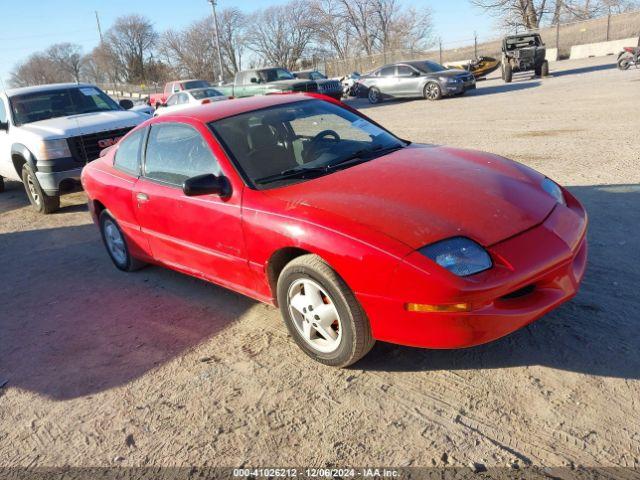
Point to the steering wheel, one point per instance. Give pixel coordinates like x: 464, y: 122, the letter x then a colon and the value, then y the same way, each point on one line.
x: 315, y: 141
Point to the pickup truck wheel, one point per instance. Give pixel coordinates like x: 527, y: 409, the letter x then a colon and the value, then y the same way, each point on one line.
x: 42, y: 202
x: 1, y: 184
x: 116, y: 244
x: 322, y: 314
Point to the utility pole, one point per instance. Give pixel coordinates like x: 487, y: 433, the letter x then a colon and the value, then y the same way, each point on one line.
x: 216, y: 37
x: 99, y: 27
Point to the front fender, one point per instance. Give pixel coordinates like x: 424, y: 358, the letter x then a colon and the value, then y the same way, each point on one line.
x: 20, y: 150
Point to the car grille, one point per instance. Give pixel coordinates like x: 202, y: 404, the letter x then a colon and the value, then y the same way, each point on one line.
x: 86, y: 148
x: 331, y: 86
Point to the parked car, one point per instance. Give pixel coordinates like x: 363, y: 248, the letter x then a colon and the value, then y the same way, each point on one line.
x: 189, y: 98
x: 48, y: 133
x: 157, y: 99
x: 355, y: 234
x: 326, y: 86
x: 522, y: 53
x: 415, y: 79
x: 264, y: 81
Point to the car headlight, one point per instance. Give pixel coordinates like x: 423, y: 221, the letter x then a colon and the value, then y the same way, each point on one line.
x: 450, y: 79
x: 461, y: 256
x: 553, y: 189
x: 50, y: 149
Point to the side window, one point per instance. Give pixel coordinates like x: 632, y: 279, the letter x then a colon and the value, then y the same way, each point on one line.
x: 182, y: 98
x: 172, y: 100
x: 388, y: 72
x: 405, y: 71
x: 176, y: 88
x: 3, y: 112
x: 128, y: 153
x: 176, y: 152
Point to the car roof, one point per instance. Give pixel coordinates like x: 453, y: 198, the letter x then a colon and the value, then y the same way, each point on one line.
x: 44, y: 88
x: 212, y: 112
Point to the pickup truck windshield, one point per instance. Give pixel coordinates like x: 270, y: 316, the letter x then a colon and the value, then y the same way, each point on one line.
x: 289, y: 143
x: 37, y: 106
x: 275, y: 74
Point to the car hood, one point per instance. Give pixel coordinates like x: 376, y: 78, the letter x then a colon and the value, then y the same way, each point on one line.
x: 422, y: 194
x: 83, y: 124
x: 290, y: 83
x: 452, y: 72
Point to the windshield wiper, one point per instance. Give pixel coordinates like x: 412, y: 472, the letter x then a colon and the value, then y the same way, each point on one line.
x: 363, y: 155
x: 298, y: 172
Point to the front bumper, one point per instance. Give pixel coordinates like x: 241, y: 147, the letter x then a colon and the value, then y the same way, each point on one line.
x: 50, y: 181
x: 458, y: 88
x: 533, y: 273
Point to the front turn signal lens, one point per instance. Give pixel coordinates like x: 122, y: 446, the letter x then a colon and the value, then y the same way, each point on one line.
x: 423, y: 308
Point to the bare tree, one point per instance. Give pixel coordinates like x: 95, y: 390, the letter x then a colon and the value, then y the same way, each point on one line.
x: 281, y: 34
x: 516, y: 13
x: 233, y: 31
x: 131, y: 41
x: 68, y: 57
x: 190, y: 52
x: 334, y: 33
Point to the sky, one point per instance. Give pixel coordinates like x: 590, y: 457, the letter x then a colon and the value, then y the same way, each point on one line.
x: 27, y: 26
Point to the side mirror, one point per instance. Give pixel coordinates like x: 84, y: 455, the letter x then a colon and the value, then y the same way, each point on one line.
x: 4, y: 126
x: 415, y: 74
x: 126, y: 104
x: 207, y: 184
x: 254, y: 80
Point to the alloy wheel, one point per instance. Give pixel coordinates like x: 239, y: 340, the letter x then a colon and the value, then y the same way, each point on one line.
x: 115, y: 242
x: 33, y: 191
x: 314, y: 315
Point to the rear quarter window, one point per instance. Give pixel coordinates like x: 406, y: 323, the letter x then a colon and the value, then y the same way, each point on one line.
x: 127, y: 157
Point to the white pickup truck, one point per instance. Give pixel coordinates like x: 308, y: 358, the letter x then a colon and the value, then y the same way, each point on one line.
x: 49, y: 132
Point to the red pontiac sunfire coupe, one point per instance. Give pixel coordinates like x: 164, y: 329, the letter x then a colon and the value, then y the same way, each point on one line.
x: 357, y: 235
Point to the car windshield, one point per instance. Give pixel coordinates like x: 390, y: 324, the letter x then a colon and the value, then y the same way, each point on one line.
x: 274, y: 74
x: 195, y: 84
x: 205, y: 93
x: 297, y: 141
x: 37, y: 106
x: 428, y: 66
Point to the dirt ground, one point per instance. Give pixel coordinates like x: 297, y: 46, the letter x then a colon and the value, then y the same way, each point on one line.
x: 156, y: 368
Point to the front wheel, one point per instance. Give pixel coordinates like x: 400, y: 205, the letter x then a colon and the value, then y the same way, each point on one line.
x: 1, y: 184
x: 322, y: 314
x: 374, y: 95
x: 116, y: 244
x: 432, y: 91
x: 544, y: 70
x: 624, y: 62
x: 507, y: 73
x: 42, y: 202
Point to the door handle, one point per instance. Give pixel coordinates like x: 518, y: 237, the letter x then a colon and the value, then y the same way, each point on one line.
x: 142, y: 197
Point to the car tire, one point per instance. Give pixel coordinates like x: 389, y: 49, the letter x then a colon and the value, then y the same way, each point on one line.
x: 338, y: 334
x: 116, y: 244
x: 432, y: 91
x: 42, y: 202
x: 374, y: 95
x: 507, y: 73
x: 544, y: 70
x: 1, y: 184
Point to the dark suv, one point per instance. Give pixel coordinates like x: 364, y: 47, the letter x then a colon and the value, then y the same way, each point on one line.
x: 521, y: 53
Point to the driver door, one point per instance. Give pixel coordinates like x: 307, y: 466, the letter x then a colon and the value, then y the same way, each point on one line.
x: 408, y: 81
x: 199, y: 235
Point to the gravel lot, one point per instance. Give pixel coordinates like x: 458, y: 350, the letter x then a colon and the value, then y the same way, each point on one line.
x: 156, y: 368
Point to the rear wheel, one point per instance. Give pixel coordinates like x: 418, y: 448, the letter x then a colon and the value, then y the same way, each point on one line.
x: 624, y: 62
x: 116, y: 244
x: 432, y: 91
x: 42, y: 202
x: 322, y: 314
x: 507, y: 73
x: 374, y: 95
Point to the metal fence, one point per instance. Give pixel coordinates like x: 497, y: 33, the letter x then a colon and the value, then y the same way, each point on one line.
x: 561, y: 36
